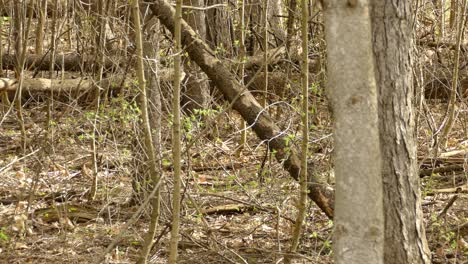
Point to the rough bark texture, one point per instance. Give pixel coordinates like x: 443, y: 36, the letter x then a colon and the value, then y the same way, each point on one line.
x: 219, y: 27
x: 359, y: 218
x: 405, y: 240
x: 263, y: 125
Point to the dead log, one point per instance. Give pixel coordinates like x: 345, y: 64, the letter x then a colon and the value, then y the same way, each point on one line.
x: 5, y: 83
x: 78, y: 63
x: 73, y: 86
x: 275, y: 56
x: 66, y: 62
x: 57, y: 86
x: 228, y: 209
x: 67, y: 88
x: 445, y: 169
x: 243, y: 102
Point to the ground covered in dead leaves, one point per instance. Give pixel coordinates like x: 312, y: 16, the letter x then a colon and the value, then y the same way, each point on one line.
x: 236, y: 208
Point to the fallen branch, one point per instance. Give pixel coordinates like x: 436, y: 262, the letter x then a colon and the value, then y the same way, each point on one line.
x: 228, y: 209
x: 447, y: 206
x: 58, y: 86
x: 445, y: 169
x: 459, y: 189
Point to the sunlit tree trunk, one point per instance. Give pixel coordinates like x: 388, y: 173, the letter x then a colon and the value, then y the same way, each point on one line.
x: 18, y: 22
x: 148, y: 135
x: 176, y: 137
x: 302, y: 201
x: 275, y: 20
x: 359, y: 218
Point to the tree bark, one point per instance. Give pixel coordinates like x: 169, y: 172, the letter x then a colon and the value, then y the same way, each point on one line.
x: 197, y: 93
x: 405, y: 240
x: 359, y: 218
x: 243, y: 102
x: 218, y: 28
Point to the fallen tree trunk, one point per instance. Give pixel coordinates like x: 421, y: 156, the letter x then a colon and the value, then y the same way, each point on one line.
x: 56, y: 85
x: 76, y: 62
x: 275, y: 56
x: 78, y: 85
x: 244, y: 102
x: 66, y: 62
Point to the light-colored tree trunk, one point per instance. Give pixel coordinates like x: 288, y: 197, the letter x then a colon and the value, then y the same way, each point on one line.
x: 18, y: 23
x: 99, y: 70
x: 241, y: 58
x: 442, y: 19
x: 53, y: 49
x: 405, y: 241
x: 148, y: 135
x: 264, y: 100
x: 302, y: 201
x: 5, y: 102
x: 275, y: 20
x: 176, y: 137
x: 359, y: 218
x: 453, y: 93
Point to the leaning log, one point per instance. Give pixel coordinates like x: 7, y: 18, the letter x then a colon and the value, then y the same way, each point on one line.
x: 244, y: 103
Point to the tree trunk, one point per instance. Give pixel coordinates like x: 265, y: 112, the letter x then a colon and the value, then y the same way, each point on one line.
x: 243, y: 102
x: 275, y: 14
x: 197, y: 94
x: 218, y: 28
x: 176, y: 138
x: 359, y: 218
x: 405, y: 240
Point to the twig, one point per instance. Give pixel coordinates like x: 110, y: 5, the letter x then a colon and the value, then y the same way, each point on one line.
x: 16, y: 160
x: 202, y: 8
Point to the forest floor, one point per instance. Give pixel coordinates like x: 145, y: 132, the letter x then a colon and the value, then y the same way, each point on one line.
x: 236, y: 209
